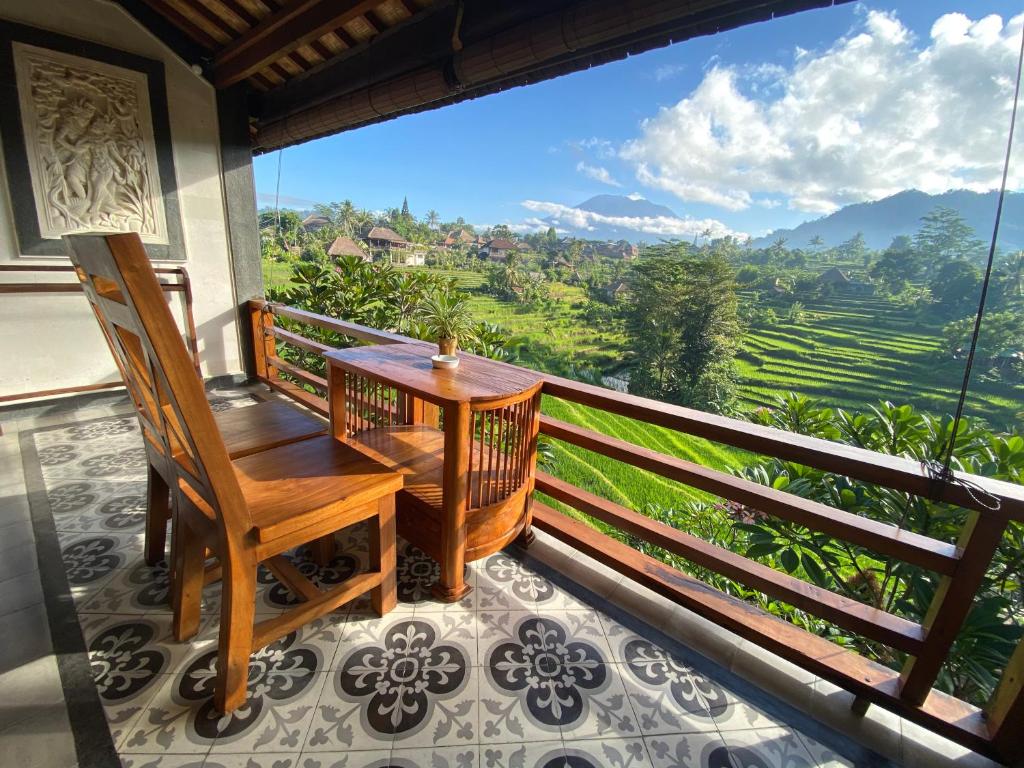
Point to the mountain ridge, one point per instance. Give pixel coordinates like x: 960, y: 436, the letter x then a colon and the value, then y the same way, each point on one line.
x: 900, y: 214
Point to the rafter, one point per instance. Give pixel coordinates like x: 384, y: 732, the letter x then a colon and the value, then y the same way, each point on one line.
x: 280, y: 33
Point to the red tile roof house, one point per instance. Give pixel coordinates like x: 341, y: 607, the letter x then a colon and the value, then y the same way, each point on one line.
x: 497, y: 249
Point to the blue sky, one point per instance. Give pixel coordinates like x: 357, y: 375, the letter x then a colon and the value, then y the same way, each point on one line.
x: 761, y: 127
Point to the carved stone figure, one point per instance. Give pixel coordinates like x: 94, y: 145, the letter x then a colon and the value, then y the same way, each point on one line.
x: 89, y: 138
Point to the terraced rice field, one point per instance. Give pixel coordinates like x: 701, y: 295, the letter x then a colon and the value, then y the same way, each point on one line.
x: 853, y: 352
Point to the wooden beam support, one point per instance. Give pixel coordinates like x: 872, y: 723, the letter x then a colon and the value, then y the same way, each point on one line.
x: 857, y: 617
x: 280, y: 33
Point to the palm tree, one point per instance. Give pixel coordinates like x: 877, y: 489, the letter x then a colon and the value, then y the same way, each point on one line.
x: 433, y: 217
x: 816, y: 242
x: 1013, y: 268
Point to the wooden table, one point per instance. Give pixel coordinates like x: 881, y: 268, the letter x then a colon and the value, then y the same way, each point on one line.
x: 476, y: 388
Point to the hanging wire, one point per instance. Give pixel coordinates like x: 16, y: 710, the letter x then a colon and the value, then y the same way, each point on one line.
x: 942, y: 474
x: 277, y: 193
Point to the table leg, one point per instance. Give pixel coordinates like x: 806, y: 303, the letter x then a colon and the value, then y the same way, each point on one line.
x: 451, y: 587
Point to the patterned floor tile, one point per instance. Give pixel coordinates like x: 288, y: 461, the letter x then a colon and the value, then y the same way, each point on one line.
x: 691, y: 750
x: 822, y: 756
x: 667, y: 695
x: 533, y: 754
x: 349, y: 759
x: 404, y: 678
x: 610, y: 753
x: 498, y: 628
x: 767, y: 748
x: 518, y: 674
x: 741, y: 715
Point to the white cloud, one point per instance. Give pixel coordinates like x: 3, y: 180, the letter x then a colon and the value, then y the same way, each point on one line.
x: 668, y: 71
x: 597, y: 173
x: 602, y: 148
x: 876, y: 113
x: 661, y: 226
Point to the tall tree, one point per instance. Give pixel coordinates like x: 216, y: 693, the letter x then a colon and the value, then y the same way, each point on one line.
x: 945, y: 236
x: 684, y: 328
x: 956, y: 286
x: 433, y: 217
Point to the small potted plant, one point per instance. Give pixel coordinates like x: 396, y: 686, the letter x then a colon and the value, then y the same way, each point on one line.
x: 446, y: 316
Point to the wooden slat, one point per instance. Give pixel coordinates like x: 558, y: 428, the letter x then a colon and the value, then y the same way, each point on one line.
x: 298, y: 394
x: 269, y: 630
x: 1006, y: 709
x: 300, y: 373
x: 352, y: 330
x: 279, y: 33
x: 292, y: 578
x: 300, y: 341
x: 951, y: 603
x: 941, y: 713
x: 184, y: 23
x: 882, y: 538
x: 891, y: 471
x: 857, y: 617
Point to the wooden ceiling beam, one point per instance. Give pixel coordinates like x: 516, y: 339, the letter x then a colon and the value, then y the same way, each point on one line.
x: 371, y: 18
x: 184, y: 23
x: 280, y: 33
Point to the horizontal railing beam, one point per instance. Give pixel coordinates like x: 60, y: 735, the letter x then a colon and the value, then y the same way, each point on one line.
x: 299, y: 373
x: 298, y: 341
x: 894, y: 472
x: 941, y: 713
x: 865, y: 620
x: 885, y: 539
x: 352, y: 330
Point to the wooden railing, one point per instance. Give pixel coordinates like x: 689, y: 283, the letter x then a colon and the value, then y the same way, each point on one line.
x: 172, y: 280
x: 994, y: 730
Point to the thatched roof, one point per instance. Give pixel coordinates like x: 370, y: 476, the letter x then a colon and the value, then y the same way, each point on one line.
x: 386, y: 235
x: 501, y: 244
x: 345, y: 246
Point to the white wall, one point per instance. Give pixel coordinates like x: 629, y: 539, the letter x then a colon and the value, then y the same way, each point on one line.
x: 51, y: 341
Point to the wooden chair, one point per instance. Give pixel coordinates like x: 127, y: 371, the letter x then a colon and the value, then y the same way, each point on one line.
x: 402, y: 432
x: 245, y: 511
x: 245, y: 431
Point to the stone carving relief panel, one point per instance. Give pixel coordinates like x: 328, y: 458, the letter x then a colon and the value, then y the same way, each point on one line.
x: 89, y: 139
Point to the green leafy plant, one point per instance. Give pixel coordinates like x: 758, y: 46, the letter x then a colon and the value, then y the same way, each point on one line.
x: 446, y: 315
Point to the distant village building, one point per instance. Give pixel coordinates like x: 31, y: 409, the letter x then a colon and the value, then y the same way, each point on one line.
x: 497, y: 249
x: 315, y: 222
x: 409, y: 257
x: 346, y: 246
x: 613, y: 249
x: 459, y: 237
x: 382, y: 238
x: 840, y: 283
x: 618, y: 290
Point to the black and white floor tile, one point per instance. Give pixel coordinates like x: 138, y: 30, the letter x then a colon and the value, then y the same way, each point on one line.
x: 521, y: 673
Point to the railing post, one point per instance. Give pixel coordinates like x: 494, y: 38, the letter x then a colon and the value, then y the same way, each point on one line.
x: 952, y: 602
x: 263, y: 347
x: 1005, y: 711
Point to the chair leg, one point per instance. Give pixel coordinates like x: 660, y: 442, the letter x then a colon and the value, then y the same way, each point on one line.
x: 187, y: 583
x: 323, y: 550
x: 383, y: 556
x: 237, y: 612
x: 158, y: 512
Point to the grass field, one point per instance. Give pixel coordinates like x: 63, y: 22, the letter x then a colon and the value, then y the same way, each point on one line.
x: 849, y: 353
x: 853, y: 352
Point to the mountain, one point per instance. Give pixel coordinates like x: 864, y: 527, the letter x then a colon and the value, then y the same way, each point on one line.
x: 620, y: 205
x: 601, y: 218
x: 882, y: 220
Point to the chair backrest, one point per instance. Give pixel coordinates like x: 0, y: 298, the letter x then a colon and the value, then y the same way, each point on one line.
x: 176, y: 418
x: 503, y: 447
